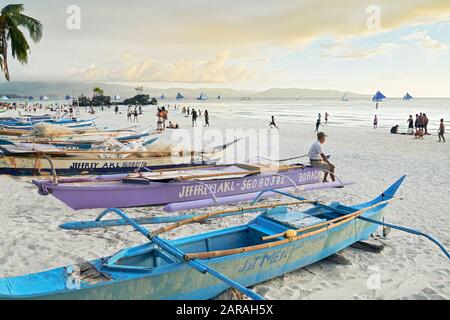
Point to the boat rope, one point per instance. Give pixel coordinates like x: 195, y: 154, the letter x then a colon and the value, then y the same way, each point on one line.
x: 412, y: 231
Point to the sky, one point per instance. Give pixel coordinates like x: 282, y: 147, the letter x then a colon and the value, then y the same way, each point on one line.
x: 349, y: 45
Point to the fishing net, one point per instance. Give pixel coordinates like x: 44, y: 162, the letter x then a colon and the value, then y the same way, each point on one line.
x: 50, y: 130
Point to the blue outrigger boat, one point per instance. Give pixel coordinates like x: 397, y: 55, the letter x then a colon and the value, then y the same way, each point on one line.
x: 202, y: 266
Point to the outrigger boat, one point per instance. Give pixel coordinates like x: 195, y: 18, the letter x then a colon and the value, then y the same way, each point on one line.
x: 68, y: 123
x: 20, y: 161
x: 184, y: 188
x: 280, y: 240
x: 86, y: 143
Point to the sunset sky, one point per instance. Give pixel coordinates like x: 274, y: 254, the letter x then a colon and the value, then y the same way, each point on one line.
x: 251, y: 44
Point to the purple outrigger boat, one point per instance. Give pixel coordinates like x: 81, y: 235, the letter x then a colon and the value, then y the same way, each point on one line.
x: 182, y: 189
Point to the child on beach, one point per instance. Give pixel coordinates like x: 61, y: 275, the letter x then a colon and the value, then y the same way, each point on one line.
x: 326, y: 118
x: 441, y: 131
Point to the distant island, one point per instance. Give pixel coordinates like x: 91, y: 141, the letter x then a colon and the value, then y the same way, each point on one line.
x: 58, y: 90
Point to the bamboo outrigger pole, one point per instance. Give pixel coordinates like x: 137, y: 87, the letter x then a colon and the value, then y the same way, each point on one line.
x: 289, y: 236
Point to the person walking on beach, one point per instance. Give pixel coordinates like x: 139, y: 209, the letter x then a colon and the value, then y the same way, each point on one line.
x: 194, y: 118
x: 326, y: 118
x: 272, y: 123
x: 318, y: 159
x: 318, y: 124
x: 129, y: 114
x: 116, y: 109
x: 375, y: 122
x: 140, y: 109
x: 206, y: 118
x: 441, y: 131
x: 410, y: 125
x: 416, y: 122
x: 376, y: 105
x: 135, y: 114
x: 425, y: 123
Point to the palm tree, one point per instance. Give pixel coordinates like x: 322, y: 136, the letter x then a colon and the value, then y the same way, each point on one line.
x: 97, y: 91
x: 11, y: 20
x: 139, y: 89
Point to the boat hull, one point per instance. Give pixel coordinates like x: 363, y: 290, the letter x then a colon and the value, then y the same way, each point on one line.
x: 35, y: 165
x: 120, y: 195
x: 179, y: 281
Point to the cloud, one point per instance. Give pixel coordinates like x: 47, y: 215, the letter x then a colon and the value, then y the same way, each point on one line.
x: 424, y: 41
x: 343, y: 49
x: 298, y: 22
x: 218, y: 69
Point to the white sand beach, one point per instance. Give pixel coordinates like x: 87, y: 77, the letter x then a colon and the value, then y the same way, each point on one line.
x: 410, y: 267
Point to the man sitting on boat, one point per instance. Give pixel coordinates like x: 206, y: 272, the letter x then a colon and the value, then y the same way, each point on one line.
x: 318, y: 159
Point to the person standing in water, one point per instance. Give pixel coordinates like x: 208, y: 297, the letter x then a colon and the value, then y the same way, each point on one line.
x: 326, y: 118
x: 206, y: 118
x: 318, y: 159
x: 375, y: 122
x: 272, y: 123
x: 441, y: 131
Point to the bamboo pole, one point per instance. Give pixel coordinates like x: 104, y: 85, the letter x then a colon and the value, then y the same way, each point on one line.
x: 231, y: 210
x: 354, y: 214
x: 331, y: 225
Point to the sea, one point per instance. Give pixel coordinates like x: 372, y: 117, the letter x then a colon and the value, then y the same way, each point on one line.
x: 352, y: 113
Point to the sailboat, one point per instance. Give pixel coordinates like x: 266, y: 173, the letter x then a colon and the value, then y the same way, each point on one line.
x: 202, y: 97
x: 378, y: 97
x: 179, y: 96
x: 44, y: 98
x: 67, y: 97
x: 344, y: 97
x: 219, y: 97
x: 163, y: 97
x: 117, y: 97
x: 407, y: 96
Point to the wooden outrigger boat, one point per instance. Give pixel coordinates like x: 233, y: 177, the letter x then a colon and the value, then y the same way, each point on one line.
x: 18, y: 161
x: 280, y: 240
x: 184, y: 188
x: 72, y: 144
x: 68, y: 123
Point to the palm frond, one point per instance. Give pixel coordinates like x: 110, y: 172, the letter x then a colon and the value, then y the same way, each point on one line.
x: 34, y: 26
x: 12, y: 9
x: 19, y: 44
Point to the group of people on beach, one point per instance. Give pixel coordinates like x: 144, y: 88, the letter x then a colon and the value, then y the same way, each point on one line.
x: 418, y: 127
x: 132, y: 113
x: 195, y: 114
x: 162, y: 115
x: 319, y: 121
